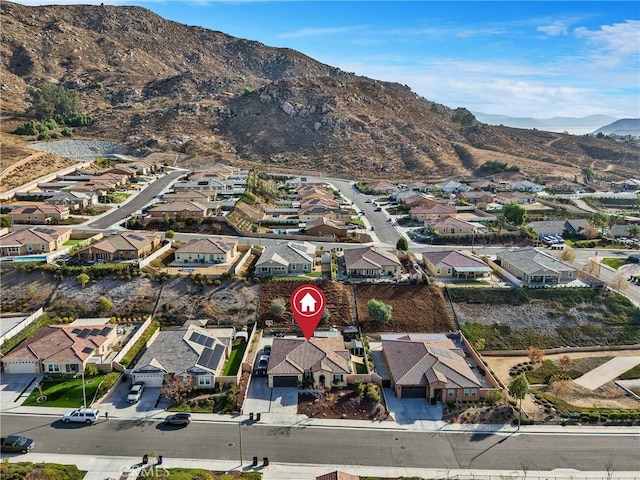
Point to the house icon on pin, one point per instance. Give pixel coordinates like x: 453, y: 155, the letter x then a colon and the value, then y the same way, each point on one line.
x: 308, y: 303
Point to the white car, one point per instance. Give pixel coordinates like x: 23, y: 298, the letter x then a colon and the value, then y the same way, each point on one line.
x: 135, y: 393
x: 82, y: 415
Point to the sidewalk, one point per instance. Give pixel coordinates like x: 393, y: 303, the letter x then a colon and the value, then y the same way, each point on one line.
x: 106, y: 467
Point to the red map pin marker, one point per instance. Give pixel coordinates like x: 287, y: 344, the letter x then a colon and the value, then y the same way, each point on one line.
x: 308, y: 303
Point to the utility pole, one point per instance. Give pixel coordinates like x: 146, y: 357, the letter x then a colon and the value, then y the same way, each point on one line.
x: 240, y: 436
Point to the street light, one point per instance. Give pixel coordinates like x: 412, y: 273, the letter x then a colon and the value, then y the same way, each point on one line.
x: 240, y: 435
x: 84, y: 392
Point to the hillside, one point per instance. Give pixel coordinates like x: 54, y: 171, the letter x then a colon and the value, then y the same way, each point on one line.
x: 622, y: 127
x: 162, y: 86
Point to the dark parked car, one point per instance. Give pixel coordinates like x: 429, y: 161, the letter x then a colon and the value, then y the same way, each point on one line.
x: 178, y: 419
x: 16, y: 443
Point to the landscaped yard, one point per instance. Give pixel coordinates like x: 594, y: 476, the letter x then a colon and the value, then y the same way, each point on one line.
x: 41, y: 471
x: 65, y: 393
x: 614, y: 262
x: 73, y: 242
x: 199, y: 474
x: 235, y: 357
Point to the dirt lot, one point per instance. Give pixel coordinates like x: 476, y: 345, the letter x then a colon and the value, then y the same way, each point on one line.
x: 339, y: 301
x: 416, y: 308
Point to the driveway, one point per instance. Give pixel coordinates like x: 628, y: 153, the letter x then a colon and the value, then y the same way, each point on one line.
x: 15, y: 388
x: 607, y: 372
x: 262, y: 399
x: 117, y: 404
x: 415, y: 413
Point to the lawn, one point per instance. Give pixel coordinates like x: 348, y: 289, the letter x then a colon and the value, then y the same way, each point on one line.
x: 614, y: 262
x: 65, y: 393
x: 233, y: 362
x: 361, y: 369
x: 73, y: 242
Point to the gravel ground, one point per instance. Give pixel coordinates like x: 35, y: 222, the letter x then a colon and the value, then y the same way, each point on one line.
x: 81, y: 149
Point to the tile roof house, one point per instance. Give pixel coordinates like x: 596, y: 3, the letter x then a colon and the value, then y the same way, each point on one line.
x: 44, y: 239
x: 179, y: 210
x: 73, y: 200
x: 206, y: 251
x: 435, y: 368
x: 189, y: 196
x: 535, y: 267
x: 371, y: 262
x: 125, y: 246
x: 326, y: 227
x: 432, y: 211
x: 39, y: 213
x: 319, y: 361
x: 449, y: 226
x: 381, y: 187
x: 195, y: 354
x: 452, y: 263
x: 520, y: 198
x: 526, y: 186
x: 337, y: 475
x: 333, y: 213
x: 290, y: 258
x: 548, y: 227
x: 453, y: 186
x: 60, y: 349
x: 577, y: 226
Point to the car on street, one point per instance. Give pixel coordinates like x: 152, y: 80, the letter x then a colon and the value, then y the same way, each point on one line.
x: 82, y: 415
x: 377, y: 209
x: 16, y: 443
x: 135, y: 393
x: 178, y: 419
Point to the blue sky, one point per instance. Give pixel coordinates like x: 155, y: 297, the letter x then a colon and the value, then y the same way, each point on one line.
x: 537, y: 59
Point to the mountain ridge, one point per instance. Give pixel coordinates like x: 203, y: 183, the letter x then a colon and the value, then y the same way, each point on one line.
x: 160, y: 85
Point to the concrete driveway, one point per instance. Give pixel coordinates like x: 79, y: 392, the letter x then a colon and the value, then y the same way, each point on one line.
x: 413, y: 412
x: 15, y: 388
x: 262, y: 399
x: 117, y: 404
x: 607, y: 372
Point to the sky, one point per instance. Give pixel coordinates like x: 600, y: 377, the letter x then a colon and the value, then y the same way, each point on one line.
x: 522, y: 59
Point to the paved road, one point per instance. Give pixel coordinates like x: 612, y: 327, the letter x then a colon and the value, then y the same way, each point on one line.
x: 330, y: 446
x: 138, y: 202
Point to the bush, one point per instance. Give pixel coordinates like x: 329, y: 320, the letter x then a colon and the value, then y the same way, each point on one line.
x: 372, y: 393
x: 358, y: 387
x: 90, y: 370
x: 109, y: 381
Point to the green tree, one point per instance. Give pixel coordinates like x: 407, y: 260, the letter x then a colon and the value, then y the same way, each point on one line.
x: 634, y: 230
x: 599, y: 219
x: 30, y: 291
x: 83, y: 279
x: 169, y: 234
x: 90, y: 370
x: 278, y: 307
x: 379, y: 311
x: 402, y: 244
x: 588, y: 174
x: 514, y: 213
x: 51, y: 100
x: 104, y: 304
x: 518, y: 389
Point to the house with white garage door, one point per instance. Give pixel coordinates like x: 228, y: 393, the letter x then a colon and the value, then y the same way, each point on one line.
x: 61, y: 349
x: 194, y: 353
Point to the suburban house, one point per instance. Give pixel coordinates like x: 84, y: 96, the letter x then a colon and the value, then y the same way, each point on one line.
x: 318, y: 362
x: 339, y: 214
x: 179, y: 210
x: 371, y: 262
x: 450, y: 227
x: 325, y: 227
x: 577, y: 226
x: 629, y: 185
x: 290, y: 258
x: 548, y: 227
x: 206, y: 251
x: 125, y: 246
x: 563, y: 186
x: 452, y: 186
x: 381, y: 187
x: 195, y: 196
x: 195, y: 354
x: 418, y: 186
x: 454, y: 263
x: 73, y: 200
x: 533, y: 266
x: 44, y: 239
x: 337, y: 475
x: 485, y: 185
x: 433, y: 366
x: 520, y: 198
x: 526, y: 186
x: 39, y: 213
x: 433, y: 211
x: 61, y: 349
x: 411, y: 198
x: 478, y: 198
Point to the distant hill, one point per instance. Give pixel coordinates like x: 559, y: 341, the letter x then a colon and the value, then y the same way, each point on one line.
x: 158, y: 85
x: 622, y: 127
x: 573, y: 125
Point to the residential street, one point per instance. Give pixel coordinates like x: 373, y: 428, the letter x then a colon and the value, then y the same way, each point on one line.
x: 331, y: 446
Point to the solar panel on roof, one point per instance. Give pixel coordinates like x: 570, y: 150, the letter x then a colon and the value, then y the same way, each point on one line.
x: 105, y: 331
x: 87, y: 350
x: 94, y: 332
x: 210, y: 358
x: 83, y: 333
x: 202, y: 339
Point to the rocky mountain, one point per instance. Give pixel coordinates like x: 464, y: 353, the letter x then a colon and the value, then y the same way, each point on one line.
x: 160, y: 85
x: 622, y: 127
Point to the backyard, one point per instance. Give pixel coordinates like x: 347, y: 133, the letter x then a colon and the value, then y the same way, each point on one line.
x: 65, y: 392
x: 235, y: 357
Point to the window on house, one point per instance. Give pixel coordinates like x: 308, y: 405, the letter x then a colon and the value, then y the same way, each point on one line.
x: 466, y: 392
x: 308, y: 375
x: 570, y: 274
x: 293, y: 266
x: 474, y: 392
x: 53, y: 368
x: 204, y: 381
x: 338, y: 378
x: 451, y: 393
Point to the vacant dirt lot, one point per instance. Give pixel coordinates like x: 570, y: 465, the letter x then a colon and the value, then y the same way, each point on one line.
x: 416, y: 308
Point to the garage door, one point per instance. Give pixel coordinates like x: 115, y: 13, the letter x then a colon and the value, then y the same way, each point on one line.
x: 151, y: 380
x: 414, y: 392
x: 21, y: 367
x: 285, y: 381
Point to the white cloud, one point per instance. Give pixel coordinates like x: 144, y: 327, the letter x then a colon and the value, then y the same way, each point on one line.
x: 556, y: 28
x: 613, y: 44
x: 319, y: 31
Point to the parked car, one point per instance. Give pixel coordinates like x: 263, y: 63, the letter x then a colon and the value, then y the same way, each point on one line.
x: 178, y: 419
x: 16, y: 443
x: 135, y: 393
x: 377, y: 209
x: 267, y: 350
x: 83, y: 415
